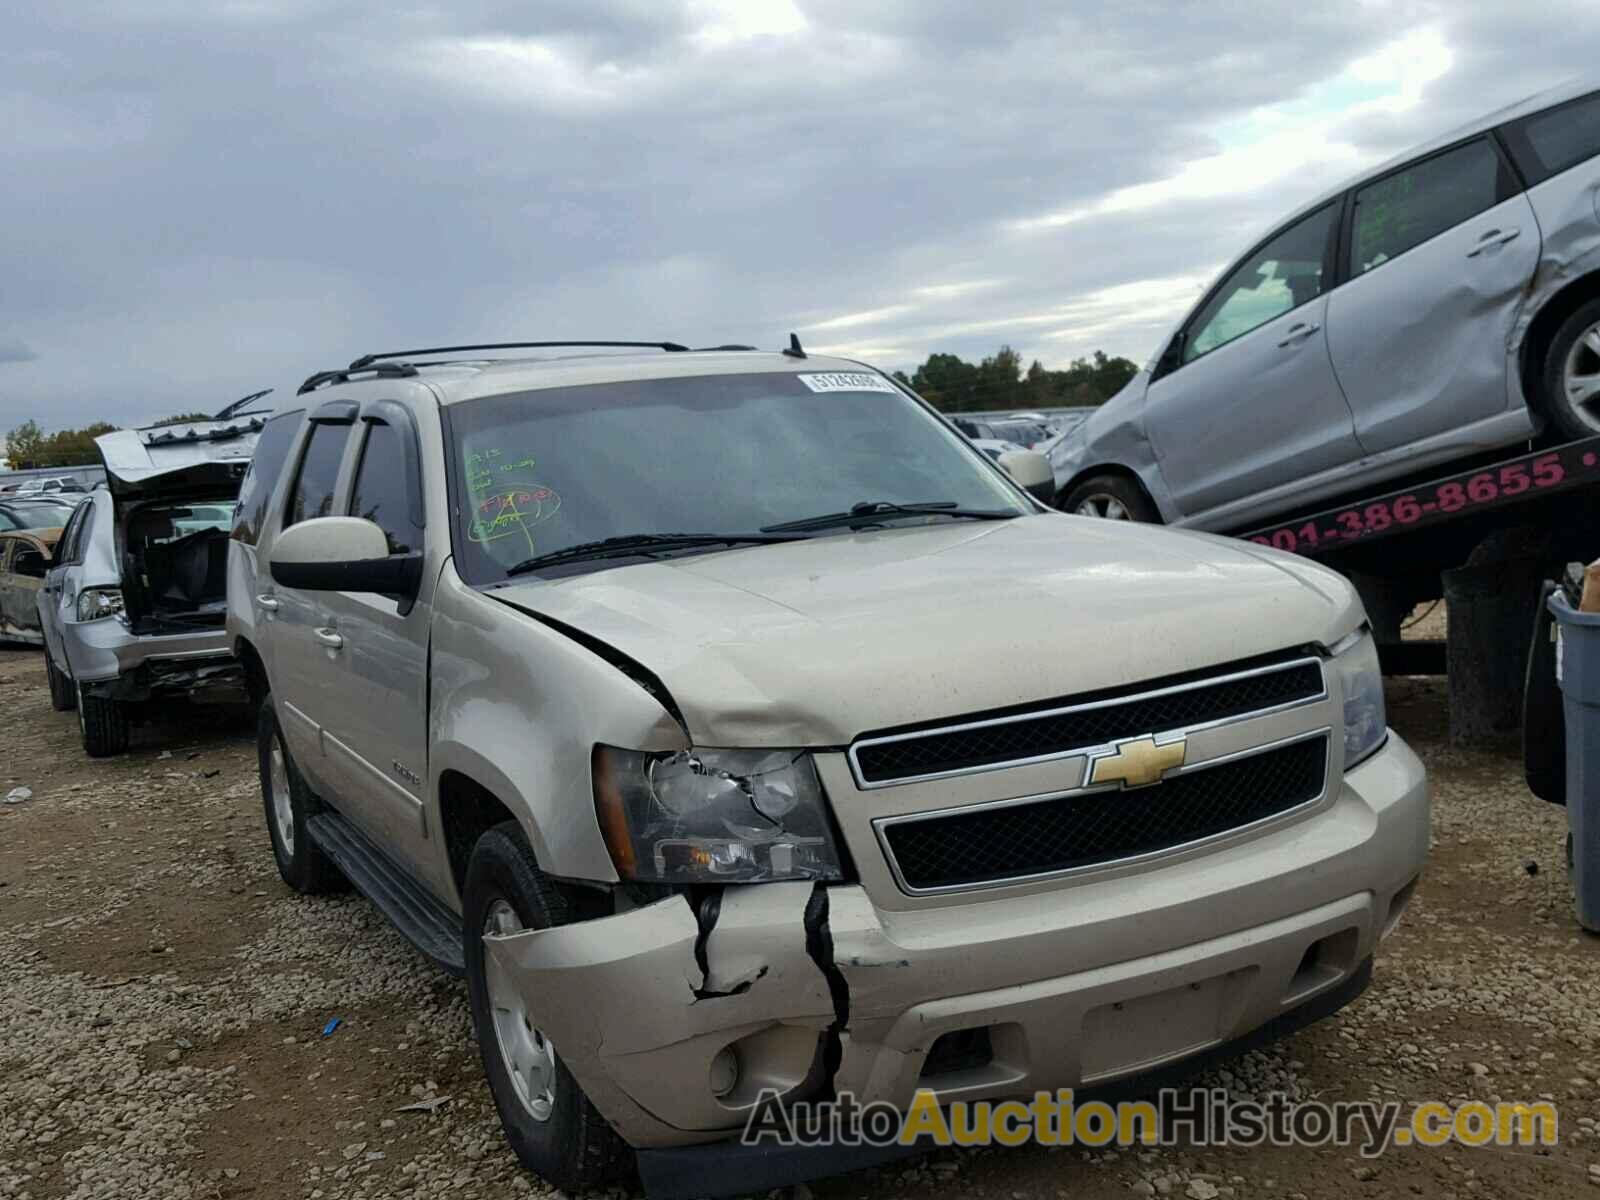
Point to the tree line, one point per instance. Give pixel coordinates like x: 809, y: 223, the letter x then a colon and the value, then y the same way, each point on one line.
x: 999, y: 382
x: 29, y: 446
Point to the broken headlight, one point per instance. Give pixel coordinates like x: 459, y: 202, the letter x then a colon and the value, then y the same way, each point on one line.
x: 1361, y: 685
x: 714, y: 816
x: 94, y: 603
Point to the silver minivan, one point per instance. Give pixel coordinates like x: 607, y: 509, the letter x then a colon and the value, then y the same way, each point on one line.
x: 1443, y: 304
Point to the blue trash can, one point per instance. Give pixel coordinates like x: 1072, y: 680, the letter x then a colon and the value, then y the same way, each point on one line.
x: 1578, y: 672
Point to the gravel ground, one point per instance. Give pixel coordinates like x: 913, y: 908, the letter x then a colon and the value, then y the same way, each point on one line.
x: 163, y: 1001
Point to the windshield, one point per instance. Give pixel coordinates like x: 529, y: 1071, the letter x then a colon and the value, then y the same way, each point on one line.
x: 548, y: 469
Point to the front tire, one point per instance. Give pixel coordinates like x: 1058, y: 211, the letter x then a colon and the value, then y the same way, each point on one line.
x: 1571, y: 399
x: 548, y: 1121
x: 103, y: 724
x: 1113, y: 498
x: 289, y: 804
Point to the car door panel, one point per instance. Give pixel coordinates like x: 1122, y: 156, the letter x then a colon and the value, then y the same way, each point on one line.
x: 1420, y: 344
x: 1252, y: 414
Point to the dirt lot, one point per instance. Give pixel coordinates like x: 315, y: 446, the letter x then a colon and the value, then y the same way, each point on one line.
x: 164, y: 1000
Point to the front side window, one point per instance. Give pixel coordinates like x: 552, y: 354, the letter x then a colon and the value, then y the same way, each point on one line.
x: 384, y: 488
x: 545, y: 470
x: 319, y: 473
x: 1421, y: 201
x: 25, y: 560
x: 1280, y: 276
x: 255, y: 492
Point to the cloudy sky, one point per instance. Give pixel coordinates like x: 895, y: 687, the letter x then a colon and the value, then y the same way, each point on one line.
x: 201, y: 199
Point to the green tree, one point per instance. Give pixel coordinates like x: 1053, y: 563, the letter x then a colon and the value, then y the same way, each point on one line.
x: 23, y: 444
x: 180, y: 419
x: 1000, y: 383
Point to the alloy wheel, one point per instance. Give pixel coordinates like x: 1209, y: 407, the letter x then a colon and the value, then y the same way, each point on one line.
x: 282, y: 806
x: 1103, y: 505
x: 1580, y: 378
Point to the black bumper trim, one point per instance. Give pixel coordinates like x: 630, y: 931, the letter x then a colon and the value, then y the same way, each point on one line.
x: 730, y: 1168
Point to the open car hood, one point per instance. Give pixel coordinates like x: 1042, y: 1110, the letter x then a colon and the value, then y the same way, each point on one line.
x: 202, y: 457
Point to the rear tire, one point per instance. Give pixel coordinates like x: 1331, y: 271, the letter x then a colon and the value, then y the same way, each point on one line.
x: 289, y: 804
x: 103, y: 724
x: 1571, y: 382
x: 63, y: 697
x: 1113, y: 498
x: 548, y: 1121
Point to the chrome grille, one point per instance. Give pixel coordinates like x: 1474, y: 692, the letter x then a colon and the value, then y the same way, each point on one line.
x: 1009, y: 841
x: 1061, y: 728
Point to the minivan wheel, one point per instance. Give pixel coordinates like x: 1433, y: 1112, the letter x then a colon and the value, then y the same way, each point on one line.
x: 1572, y: 374
x: 1113, y: 498
x: 63, y: 697
x: 289, y: 804
x: 548, y: 1121
x: 102, y: 723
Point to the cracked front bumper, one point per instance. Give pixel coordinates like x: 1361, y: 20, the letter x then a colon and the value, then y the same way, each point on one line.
x: 1100, y: 980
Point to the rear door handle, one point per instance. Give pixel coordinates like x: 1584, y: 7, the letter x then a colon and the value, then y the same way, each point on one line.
x: 328, y: 638
x: 1493, y: 238
x: 267, y: 603
x: 1298, y: 333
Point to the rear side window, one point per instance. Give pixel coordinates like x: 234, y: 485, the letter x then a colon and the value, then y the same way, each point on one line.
x: 261, y: 480
x: 70, y: 548
x: 384, y: 487
x: 1421, y: 201
x: 319, y: 473
x: 1550, y: 142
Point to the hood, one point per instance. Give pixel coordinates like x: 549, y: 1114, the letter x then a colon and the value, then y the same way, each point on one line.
x: 813, y: 643
x: 199, y: 458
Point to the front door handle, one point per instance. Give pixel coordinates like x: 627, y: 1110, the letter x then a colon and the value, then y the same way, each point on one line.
x: 328, y: 638
x: 1493, y: 238
x: 267, y: 603
x: 1298, y: 333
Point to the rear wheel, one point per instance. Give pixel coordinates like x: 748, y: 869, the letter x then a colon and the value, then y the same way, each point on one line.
x: 289, y: 804
x: 1113, y: 498
x: 548, y: 1121
x: 103, y: 724
x: 63, y: 697
x: 1572, y: 374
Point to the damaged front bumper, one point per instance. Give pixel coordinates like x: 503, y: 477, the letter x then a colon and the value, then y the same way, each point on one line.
x: 813, y: 988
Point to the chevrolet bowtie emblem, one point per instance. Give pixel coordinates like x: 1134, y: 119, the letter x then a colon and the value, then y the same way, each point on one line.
x: 1138, y: 762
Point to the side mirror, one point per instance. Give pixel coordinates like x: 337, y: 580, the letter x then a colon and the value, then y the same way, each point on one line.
x: 1032, y: 472
x: 344, y: 554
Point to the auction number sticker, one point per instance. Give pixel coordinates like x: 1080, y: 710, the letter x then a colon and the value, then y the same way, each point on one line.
x: 848, y: 381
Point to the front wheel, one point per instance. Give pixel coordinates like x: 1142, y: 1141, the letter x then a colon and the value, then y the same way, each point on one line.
x: 1572, y: 374
x: 548, y: 1121
x: 1113, y: 498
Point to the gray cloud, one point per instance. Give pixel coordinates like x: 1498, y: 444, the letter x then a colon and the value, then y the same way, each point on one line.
x: 12, y: 351
x: 213, y: 199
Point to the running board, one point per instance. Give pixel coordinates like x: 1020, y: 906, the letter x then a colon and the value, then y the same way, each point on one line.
x: 428, y: 925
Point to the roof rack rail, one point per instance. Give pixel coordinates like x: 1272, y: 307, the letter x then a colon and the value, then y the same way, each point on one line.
x: 729, y: 346
x: 399, y: 370
x: 366, y: 360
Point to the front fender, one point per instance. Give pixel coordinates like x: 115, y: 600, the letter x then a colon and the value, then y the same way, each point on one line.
x: 518, y: 707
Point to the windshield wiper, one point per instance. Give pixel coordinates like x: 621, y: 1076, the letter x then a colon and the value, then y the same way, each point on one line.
x: 641, y: 543
x: 868, y: 511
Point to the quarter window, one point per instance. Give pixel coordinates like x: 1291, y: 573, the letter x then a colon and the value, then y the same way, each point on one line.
x: 1279, y: 277
x: 1563, y: 137
x: 261, y: 480
x: 319, y: 473
x: 384, y: 488
x: 72, y: 537
x: 1421, y: 201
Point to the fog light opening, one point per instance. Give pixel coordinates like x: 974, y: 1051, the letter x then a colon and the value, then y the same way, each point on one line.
x: 724, y: 1072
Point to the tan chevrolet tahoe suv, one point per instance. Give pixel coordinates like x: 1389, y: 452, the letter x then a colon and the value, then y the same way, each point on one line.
x: 735, y: 726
